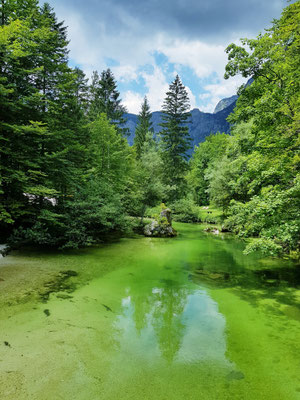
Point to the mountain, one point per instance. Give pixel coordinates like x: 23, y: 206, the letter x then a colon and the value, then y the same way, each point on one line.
x: 201, y: 124
x: 224, y: 103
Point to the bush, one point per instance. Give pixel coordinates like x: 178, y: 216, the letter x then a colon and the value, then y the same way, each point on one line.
x: 273, y: 217
x: 94, y: 211
x: 185, y: 210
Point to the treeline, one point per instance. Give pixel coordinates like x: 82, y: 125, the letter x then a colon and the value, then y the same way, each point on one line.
x: 67, y: 173
x: 68, y: 176
x: 254, y: 173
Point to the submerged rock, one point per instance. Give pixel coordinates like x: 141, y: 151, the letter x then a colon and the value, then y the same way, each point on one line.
x: 61, y: 283
x: 214, y: 231
x: 4, y: 250
x: 212, y: 275
x: 235, y: 375
x: 162, y: 227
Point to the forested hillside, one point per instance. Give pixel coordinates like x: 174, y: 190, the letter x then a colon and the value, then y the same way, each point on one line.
x: 200, y: 124
x: 68, y: 175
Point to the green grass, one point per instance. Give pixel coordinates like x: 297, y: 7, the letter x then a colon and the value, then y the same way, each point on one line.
x: 211, y: 215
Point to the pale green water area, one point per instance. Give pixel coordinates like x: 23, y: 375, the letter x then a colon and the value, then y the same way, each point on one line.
x: 144, y: 318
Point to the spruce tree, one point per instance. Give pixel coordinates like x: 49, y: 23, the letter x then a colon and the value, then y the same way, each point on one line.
x: 175, y: 138
x: 21, y: 167
x: 144, y: 126
x: 62, y: 181
x: 104, y: 98
x: 40, y: 159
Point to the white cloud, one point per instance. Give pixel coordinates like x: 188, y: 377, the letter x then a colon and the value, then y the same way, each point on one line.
x: 157, y: 87
x: 202, y: 58
x: 205, y: 60
x: 132, y: 101
x: 225, y: 88
x: 204, y: 96
x: 131, y: 51
x: 125, y: 73
x: 191, y: 97
x: 80, y: 49
x: 219, y: 91
x: 90, y: 46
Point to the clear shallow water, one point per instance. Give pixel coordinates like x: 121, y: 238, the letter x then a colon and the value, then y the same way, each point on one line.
x: 184, y: 318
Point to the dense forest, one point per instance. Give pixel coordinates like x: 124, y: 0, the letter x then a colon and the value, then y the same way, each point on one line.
x: 68, y: 176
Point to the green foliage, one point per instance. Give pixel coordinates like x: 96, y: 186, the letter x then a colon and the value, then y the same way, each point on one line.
x: 175, y: 139
x: 265, y: 246
x: 63, y: 180
x: 185, y: 210
x: 109, y: 155
x: 273, y: 215
x: 33, y: 78
x: 95, y: 211
x: 68, y: 176
x: 256, y: 182
x: 156, y: 214
x: 96, y: 207
x: 202, y: 165
x: 144, y: 126
x: 104, y: 98
x: 147, y: 189
x: 92, y: 212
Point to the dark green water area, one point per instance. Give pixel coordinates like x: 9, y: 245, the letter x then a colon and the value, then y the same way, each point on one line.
x: 146, y: 318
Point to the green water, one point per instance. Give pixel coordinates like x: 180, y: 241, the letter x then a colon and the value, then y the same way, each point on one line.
x: 184, y: 318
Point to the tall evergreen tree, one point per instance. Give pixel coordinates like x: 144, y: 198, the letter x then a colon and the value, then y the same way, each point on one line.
x: 175, y: 138
x: 104, y: 98
x: 38, y: 159
x: 62, y: 181
x: 20, y: 138
x: 144, y: 126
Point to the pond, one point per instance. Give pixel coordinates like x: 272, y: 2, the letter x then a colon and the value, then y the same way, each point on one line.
x: 147, y: 318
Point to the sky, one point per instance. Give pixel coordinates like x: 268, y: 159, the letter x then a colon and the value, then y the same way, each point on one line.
x: 147, y: 42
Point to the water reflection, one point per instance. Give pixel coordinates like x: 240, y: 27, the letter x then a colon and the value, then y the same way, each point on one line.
x: 176, y: 322
x: 169, y: 315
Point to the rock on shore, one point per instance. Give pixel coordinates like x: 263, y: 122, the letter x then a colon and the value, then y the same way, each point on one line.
x: 162, y: 227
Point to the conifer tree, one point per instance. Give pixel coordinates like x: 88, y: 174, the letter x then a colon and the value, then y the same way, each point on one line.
x: 144, y: 126
x: 175, y: 138
x: 62, y: 182
x: 104, y: 98
x: 20, y: 138
x: 40, y: 159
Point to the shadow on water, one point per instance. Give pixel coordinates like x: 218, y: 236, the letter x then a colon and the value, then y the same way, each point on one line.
x: 255, y: 284
x: 220, y: 263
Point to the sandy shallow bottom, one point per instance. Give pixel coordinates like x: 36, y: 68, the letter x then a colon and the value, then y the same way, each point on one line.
x: 184, y: 318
